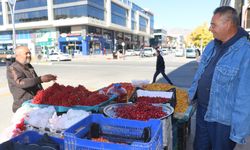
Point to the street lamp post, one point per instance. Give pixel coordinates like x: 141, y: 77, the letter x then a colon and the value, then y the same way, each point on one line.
x: 123, y: 50
x: 12, y: 4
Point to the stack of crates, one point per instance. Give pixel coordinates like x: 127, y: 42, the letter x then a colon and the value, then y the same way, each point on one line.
x: 131, y: 133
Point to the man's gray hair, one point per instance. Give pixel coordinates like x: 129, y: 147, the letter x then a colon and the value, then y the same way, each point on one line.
x: 229, y: 13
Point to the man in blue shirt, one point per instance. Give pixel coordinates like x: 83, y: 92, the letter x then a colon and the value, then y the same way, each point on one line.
x: 220, y: 85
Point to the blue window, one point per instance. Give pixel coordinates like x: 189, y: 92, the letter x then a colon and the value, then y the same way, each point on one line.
x: 6, y: 35
x: 119, y: 15
x: 70, y: 12
x: 118, y: 10
x: 24, y: 4
x: 132, y: 15
x: 118, y: 20
x: 30, y: 16
x: 64, y: 1
x: 24, y: 34
x: 151, y: 24
x: 79, y: 11
x: 137, y: 8
x: 133, y: 22
x: 142, y: 24
x: 98, y: 2
x: 133, y: 25
x: 127, y: 2
x: 95, y: 12
x: 1, y: 19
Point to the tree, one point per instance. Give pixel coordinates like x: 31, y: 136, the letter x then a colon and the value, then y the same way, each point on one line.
x: 199, y: 37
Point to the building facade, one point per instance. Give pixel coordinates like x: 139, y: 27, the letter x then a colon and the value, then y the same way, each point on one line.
x: 76, y: 26
x: 160, y: 38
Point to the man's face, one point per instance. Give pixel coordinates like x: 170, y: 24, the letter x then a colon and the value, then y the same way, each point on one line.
x: 219, y: 27
x: 24, y: 56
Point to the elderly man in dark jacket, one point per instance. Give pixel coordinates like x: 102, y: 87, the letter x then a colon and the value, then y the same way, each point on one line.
x: 160, y: 67
x: 22, y: 78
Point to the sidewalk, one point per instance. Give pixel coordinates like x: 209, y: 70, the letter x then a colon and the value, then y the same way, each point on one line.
x: 108, y: 57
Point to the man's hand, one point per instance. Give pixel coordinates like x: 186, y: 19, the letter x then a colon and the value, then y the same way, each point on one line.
x: 48, y: 77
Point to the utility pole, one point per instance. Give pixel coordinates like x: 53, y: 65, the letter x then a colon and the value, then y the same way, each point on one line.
x: 12, y: 5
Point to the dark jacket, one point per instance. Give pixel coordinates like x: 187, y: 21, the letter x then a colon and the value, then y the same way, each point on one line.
x: 160, y: 64
x: 23, y: 83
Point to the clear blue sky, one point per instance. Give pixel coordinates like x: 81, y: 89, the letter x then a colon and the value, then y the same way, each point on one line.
x: 187, y: 14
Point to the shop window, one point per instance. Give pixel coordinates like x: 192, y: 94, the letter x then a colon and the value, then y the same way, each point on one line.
x: 64, y: 30
x: 94, y: 30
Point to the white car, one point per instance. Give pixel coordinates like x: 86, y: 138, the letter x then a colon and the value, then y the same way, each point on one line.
x: 137, y: 52
x: 191, y: 53
x: 59, y: 56
x: 148, y: 51
x: 164, y: 51
x: 129, y: 52
x: 179, y: 53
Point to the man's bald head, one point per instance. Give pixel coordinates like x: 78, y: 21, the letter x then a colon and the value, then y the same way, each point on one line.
x: 23, y: 54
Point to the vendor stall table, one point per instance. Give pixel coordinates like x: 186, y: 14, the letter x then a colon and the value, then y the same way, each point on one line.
x: 181, y: 128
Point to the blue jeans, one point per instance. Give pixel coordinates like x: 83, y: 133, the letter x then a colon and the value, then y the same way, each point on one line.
x: 211, y: 135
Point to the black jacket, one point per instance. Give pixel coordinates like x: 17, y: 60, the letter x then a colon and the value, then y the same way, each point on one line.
x: 160, y: 64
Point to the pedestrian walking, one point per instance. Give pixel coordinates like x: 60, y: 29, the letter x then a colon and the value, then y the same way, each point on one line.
x: 160, y: 67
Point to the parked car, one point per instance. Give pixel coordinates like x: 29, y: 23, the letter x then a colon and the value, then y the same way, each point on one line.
x: 179, y: 53
x: 164, y: 51
x: 191, y: 53
x: 7, y: 55
x: 129, y: 52
x: 148, y: 51
x: 59, y: 56
x: 137, y: 52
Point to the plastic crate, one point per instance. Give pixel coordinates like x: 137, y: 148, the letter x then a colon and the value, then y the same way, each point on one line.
x: 31, y: 137
x: 75, y: 135
x: 94, y: 108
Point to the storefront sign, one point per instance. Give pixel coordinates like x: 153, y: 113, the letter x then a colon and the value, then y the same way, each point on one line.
x: 45, y: 35
x: 71, y: 38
